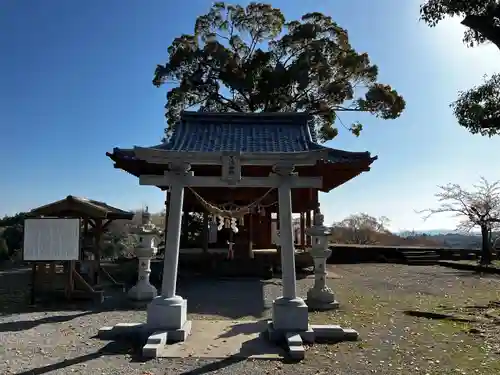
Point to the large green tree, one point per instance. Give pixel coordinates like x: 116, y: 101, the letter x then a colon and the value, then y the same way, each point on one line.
x: 478, y: 109
x: 250, y: 59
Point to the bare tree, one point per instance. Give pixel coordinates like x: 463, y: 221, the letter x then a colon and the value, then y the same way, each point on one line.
x: 478, y: 208
x: 361, y: 228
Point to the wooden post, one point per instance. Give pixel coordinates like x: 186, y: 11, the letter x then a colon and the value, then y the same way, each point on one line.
x: 267, y: 219
x: 33, y: 283
x: 98, y: 229
x: 52, y: 275
x: 70, y: 287
x: 308, y: 225
x: 205, y: 232
x: 302, y: 231
x: 250, y: 235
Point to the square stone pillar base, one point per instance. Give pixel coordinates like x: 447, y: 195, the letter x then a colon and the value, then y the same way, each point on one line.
x: 167, y: 313
x: 166, y: 322
x: 290, y: 325
x: 290, y: 315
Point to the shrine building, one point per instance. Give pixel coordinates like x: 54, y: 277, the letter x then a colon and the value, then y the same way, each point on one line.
x: 237, y: 151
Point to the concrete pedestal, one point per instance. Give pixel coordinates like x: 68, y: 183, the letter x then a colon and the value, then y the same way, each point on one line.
x: 290, y: 315
x: 168, y: 314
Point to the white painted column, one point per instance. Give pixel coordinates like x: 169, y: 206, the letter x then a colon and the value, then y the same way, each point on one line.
x: 286, y: 238
x: 173, y: 237
x: 290, y: 313
x: 168, y: 312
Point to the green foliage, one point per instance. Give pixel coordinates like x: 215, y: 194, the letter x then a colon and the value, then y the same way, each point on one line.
x: 480, y: 16
x: 249, y: 59
x: 13, y: 237
x: 17, y: 219
x: 4, y: 250
x: 478, y: 109
x: 194, y: 228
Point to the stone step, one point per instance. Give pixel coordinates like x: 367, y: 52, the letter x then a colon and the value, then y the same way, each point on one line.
x: 295, y: 347
x: 420, y: 257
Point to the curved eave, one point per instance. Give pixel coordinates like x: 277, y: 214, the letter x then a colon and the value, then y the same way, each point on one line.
x: 336, y: 174
x: 341, y: 167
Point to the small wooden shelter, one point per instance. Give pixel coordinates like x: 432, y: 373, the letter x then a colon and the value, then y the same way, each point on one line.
x: 95, y: 217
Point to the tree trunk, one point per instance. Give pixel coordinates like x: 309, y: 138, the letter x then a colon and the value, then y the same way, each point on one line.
x: 485, y: 246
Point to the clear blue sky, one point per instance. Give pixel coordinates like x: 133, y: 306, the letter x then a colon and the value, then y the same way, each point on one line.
x: 75, y: 81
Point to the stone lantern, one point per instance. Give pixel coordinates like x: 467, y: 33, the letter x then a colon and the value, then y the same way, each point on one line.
x: 320, y: 296
x: 146, y: 250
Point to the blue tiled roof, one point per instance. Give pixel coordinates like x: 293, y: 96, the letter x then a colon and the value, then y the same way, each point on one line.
x: 247, y: 132
x: 207, y: 132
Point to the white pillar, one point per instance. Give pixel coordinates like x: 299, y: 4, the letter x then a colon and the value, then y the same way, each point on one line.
x: 168, y: 312
x: 286, y: 240
x: 170, y: 264
x: 290, y: 313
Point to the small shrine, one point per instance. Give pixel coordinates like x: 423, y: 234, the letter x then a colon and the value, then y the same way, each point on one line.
x: 239, y: 169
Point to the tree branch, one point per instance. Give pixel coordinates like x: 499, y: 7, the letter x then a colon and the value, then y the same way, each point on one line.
x: 485, y: 26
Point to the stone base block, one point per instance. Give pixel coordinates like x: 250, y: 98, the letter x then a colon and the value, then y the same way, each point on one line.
x: 317, y: 305
x: 142, y: 292
x: 166, y: 323
x: 332, y: 333
x: 280, y: 336
x: 315, y: 333
x: 121, y: 331
x: 167, y: 314
x: 290, y: 315
x: 295, y: 348
x: 156, y: 341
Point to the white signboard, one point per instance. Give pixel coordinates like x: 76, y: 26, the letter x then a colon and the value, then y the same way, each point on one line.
x: 51, y: 239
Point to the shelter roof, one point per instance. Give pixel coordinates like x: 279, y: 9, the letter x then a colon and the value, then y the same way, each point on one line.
x: 82, y: 207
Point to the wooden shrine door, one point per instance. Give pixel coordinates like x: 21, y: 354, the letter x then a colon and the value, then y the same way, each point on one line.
x: 261, y: 231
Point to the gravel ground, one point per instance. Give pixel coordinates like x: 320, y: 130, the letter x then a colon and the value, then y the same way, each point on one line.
x: 60, y: 340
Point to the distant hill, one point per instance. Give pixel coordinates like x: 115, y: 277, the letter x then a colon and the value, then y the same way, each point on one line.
x: 430, y: 232
x: 370, y: 237
x: 448, y: 238
x: 470, y: 241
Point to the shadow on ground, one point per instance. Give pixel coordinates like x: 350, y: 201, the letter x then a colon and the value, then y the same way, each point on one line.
x: 133, y: 350
x: 22, y: 325
x: 113, y: 348
x: 244, y: 328
x: 232, y: 299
